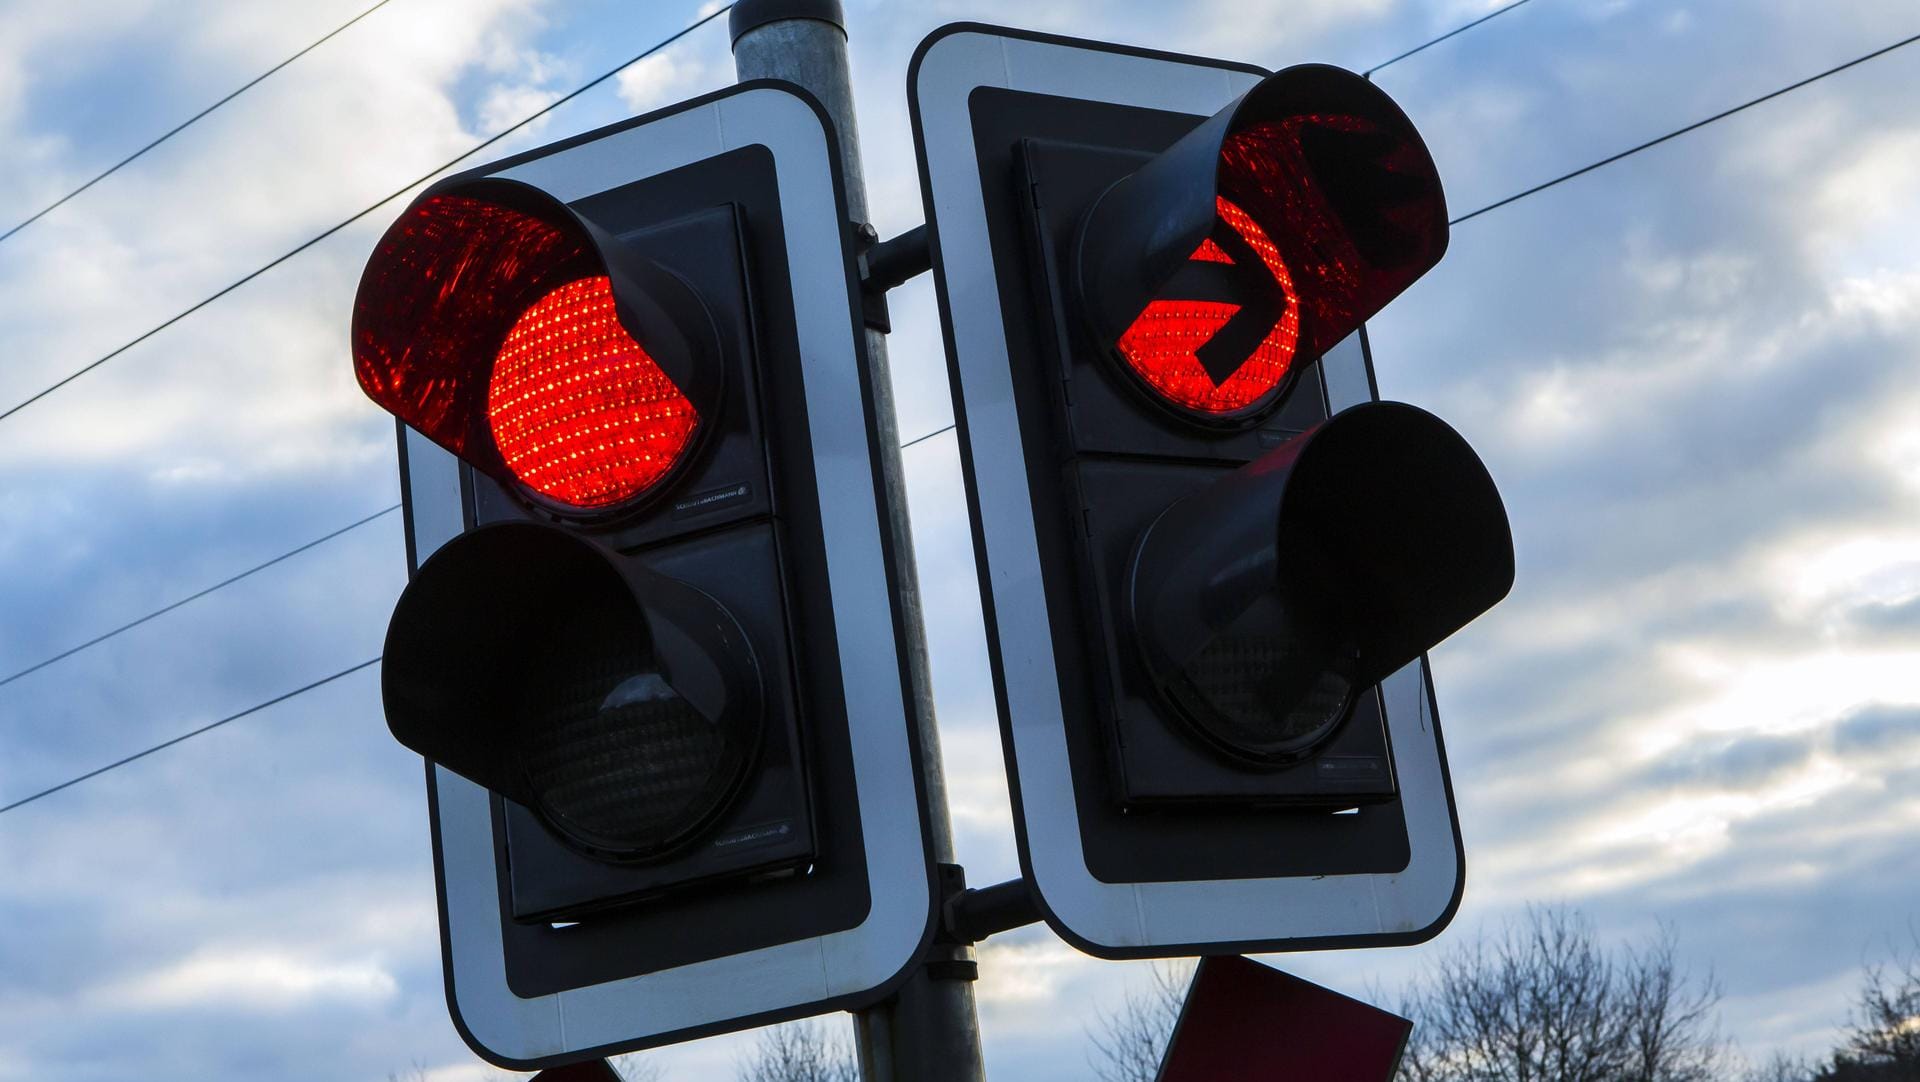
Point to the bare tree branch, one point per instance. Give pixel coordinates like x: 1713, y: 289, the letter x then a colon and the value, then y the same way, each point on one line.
x: 800, y: 1052
x: 1543, y: 1002
x: 1781, y: 1069
x: 638, y: 1068
x: 1882, y: 1043
x: 1130, y: 1041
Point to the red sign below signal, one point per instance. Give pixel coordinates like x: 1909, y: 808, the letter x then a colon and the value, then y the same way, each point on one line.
x: 1245, y: 1022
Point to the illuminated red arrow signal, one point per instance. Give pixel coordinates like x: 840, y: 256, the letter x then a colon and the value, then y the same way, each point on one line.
x: 1224, y: 338
x: 1262, y: 238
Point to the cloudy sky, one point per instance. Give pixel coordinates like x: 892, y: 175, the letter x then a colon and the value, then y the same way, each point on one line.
x: 1691, y: 372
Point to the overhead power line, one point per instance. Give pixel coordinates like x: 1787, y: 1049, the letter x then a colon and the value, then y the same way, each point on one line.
x: 337, y: 227
x: 1451, y: 33
x: 928, y: 436
x: 207, y: 728
x: 197, y: 595
x: 918, y: 439
x: 262, y: 566
x: 256, y: 708
x: 1677, y: 132
x: 190, y: 121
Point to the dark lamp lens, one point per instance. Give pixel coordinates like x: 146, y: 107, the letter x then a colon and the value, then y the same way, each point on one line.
x: 617, y: 759
x: 579, y: 410
x: 1271, y: 686
x: 627, y: 752
x: 1264, y: 602
x: 624, y: 706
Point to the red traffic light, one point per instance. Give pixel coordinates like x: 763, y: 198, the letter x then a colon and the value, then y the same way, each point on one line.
x: 1259, y: 240
x: 579, y: 410
x: 545, y: 353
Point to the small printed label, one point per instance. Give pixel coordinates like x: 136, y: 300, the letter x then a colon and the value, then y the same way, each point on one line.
x: 767, y: 832
x: 1351, y: 766
x: 713, y: 500
x: 1274, y: 438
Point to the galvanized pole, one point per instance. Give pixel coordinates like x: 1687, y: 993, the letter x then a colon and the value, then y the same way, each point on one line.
x: 929, y: 1030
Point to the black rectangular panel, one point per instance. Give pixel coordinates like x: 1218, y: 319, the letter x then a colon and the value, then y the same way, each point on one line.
x: 733, y: 489
x: 1037, y: 176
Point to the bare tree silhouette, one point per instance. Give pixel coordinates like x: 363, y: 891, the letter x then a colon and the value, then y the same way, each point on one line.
x: 1882, y: 1042
x: 1131, y: 1040
x: 637, y: 1067
x: 800, y: 1052
x: 1543, y: 1002
x: 1782, y: 1068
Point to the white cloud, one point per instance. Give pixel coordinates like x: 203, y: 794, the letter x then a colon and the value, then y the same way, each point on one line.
x: 661, y: 79
x: 371, y: 108
x: 1275, y: 33
x: 525, y: 81
x: 1027, y: 972
x: 255, y: 979
x: 1695, y: 561
x: 505, y: 106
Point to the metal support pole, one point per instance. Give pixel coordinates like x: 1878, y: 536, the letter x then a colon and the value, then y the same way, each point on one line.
x: 929, y: 1030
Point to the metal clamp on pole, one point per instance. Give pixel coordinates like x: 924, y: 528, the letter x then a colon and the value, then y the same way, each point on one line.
x: 889, y: 263
x: 972, y: 915
x: 885, y: 264
x: 951, y: 958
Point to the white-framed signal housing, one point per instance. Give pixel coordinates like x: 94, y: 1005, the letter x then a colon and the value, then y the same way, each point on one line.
x: 795, y: 977
x: 1140, y: 918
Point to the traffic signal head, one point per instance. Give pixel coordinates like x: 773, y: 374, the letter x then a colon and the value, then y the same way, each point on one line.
x: 621, y: 710
x: 650, y: 648
x: 621, y: 705
x: 1258, y: 241
x: 515, y: 333
x: 1266, y: 603
x: 1211, y: 564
